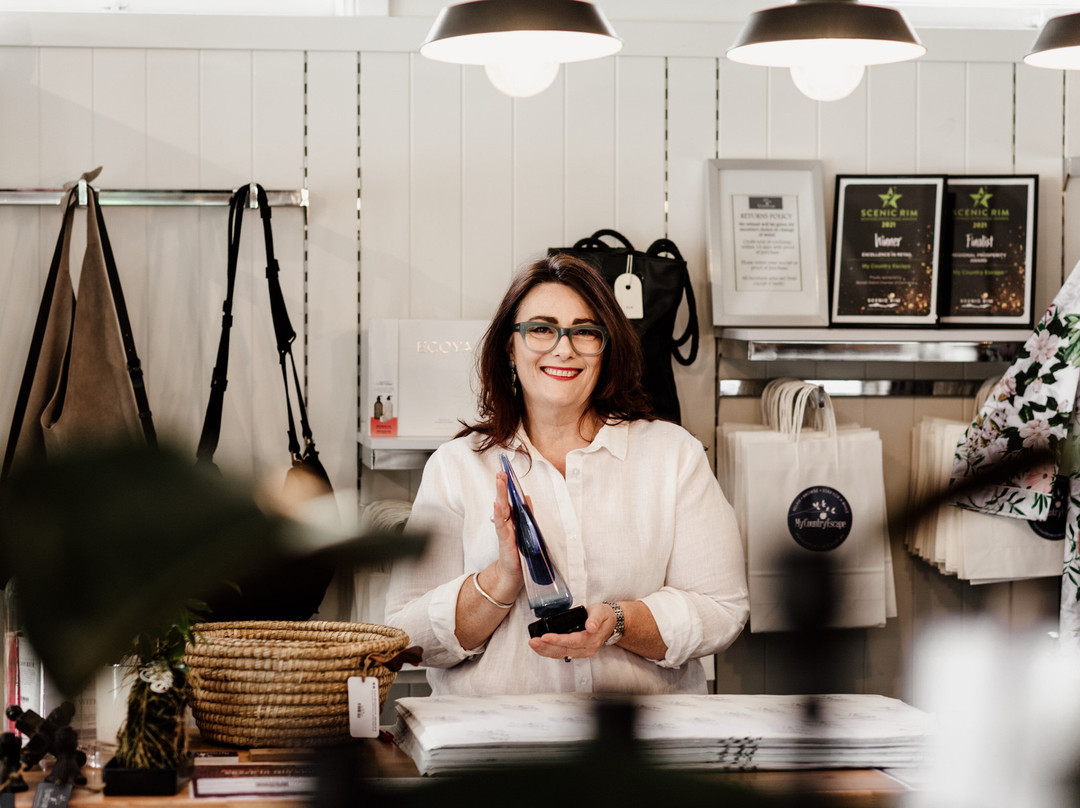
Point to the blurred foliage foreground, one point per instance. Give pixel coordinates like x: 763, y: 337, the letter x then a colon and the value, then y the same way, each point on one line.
x: 111, y: 544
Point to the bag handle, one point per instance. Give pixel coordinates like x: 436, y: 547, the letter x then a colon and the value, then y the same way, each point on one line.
x: 661, y: 247
x: 771, y: 397
x: 615, y: 234
x: 591, y: 244
x: 284, y: 335
x: 211, y: 430
x: 134, y: 366
x: 38, y: 339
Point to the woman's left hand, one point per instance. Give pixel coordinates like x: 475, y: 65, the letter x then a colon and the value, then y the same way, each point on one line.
x: 580, y: 644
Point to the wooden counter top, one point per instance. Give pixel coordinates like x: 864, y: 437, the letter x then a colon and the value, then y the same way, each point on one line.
x: 843, y: 788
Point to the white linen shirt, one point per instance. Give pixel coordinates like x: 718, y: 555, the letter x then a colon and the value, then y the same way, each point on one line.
x: 638, y: 516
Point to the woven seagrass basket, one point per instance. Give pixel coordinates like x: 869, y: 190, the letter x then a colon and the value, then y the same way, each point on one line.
x: 284, y: 683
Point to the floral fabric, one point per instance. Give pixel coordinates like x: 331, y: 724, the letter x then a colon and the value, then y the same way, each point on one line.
x: 1035, y: 410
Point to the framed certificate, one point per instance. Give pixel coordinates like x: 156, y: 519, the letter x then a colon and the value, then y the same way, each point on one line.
x: 988, y: 273
x: 886, y: 249
x: 766, y: 243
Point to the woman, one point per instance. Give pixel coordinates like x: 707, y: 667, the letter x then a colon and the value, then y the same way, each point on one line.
x: 630, y: 510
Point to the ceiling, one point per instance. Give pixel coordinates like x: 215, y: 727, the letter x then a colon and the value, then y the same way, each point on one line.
x: 920, y: 13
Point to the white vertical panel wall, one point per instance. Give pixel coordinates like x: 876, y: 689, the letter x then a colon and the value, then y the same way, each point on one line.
x: 180, y: 341
x: 428, y: 188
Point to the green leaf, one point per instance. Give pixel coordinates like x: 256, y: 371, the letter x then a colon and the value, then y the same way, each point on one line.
x: 110, y: 546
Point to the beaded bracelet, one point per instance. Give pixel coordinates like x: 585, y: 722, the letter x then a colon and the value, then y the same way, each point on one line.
x: 486, y: 596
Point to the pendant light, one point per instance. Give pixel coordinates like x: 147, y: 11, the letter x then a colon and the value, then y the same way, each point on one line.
x: 1058, y: 44
x: 521, y: 43
x: 825, y: 43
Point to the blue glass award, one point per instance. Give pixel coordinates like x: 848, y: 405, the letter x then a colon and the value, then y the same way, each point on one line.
x: 549, y: 597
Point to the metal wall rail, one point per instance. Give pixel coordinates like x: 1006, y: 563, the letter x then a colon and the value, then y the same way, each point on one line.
x: 152, y: 198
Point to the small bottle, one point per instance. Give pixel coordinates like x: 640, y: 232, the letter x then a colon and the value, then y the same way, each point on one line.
x: 24, y: 683
x: 388, y: 409
x: 378, y: 408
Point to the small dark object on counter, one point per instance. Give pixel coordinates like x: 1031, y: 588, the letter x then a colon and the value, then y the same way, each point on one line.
x: 69, y: 759
x: 52, y: 735
x: 11, y: 778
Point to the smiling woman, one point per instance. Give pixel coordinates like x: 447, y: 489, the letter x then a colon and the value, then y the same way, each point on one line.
x: 631, y: 513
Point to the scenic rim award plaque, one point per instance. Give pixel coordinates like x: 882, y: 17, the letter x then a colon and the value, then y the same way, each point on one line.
x: 886, y: 249
x: 987, y: 275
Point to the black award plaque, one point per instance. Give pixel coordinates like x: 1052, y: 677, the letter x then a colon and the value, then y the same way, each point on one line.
x: 886, y: 249
x: 987, y: 276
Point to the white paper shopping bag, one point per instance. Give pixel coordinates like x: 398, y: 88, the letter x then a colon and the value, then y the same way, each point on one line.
x: 810, y: 496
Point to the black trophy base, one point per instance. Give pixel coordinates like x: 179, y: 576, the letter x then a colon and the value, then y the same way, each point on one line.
x: 560, y: 623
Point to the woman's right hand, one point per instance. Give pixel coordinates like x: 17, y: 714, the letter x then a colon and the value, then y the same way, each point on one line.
x: 506, y: 578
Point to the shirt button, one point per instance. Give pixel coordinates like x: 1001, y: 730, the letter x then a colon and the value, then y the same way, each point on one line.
x: 575, y: 472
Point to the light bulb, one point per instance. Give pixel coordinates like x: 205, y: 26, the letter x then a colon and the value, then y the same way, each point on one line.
x: 522, y: 78
x: 827, y: 82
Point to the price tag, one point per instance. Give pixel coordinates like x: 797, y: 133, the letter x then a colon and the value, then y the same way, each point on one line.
x: 363, y: 707
x: 628, y: 292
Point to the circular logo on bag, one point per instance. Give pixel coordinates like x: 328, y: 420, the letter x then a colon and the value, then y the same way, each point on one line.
x: 1053, y: 527
x: 819, y: 518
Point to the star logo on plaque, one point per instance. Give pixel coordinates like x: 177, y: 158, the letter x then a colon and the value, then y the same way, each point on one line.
x: 889, y: 198
x: 980, y: 198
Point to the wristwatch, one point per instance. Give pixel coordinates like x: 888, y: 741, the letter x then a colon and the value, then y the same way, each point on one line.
x: 616, y: 635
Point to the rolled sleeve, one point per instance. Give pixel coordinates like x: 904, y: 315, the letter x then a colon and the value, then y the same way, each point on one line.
x: 442, y: 614
x: 679, y: 624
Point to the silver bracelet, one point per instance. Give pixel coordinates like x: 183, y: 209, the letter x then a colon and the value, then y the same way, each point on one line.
x: 486, y: 596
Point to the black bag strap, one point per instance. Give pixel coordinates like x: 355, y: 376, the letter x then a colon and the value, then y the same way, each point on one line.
x: 615, y: 234
x: 284, y: 335
x: 134, y: 366
x: 665, y: 246
x: 211, y: 430
x: 591, y: 245
x: 38, y: 339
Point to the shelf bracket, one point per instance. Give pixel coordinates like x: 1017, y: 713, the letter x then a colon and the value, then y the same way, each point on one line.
x: 860, y: 388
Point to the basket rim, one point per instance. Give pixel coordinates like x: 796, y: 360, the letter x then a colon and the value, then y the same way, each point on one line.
x: 283, y: 640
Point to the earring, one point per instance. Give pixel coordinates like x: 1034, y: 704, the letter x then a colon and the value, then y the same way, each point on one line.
x: 513, y: 374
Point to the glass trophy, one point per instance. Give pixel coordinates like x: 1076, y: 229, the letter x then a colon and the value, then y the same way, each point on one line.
x: 549, y: 597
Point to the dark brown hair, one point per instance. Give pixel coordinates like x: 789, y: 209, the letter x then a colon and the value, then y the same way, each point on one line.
x: 618, y: 395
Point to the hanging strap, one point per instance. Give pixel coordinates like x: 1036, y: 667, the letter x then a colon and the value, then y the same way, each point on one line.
x: 70, y: 203
x: 284, y: 335
x: 656, y: 249
x: 134, y: 366
x: 211, y: 430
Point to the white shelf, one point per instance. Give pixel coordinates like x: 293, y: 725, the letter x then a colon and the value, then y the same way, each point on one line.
x: 873, y: 344
x: 397, y: 454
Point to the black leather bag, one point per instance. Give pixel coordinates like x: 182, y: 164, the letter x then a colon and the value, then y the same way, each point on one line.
x: 291, y: 592
x: 665, y: 282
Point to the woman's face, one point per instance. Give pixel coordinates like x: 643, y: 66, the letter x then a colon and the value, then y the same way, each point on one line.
x: 559, y: 383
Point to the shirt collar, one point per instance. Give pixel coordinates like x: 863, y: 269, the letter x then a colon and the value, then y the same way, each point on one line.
x: 613, y: 437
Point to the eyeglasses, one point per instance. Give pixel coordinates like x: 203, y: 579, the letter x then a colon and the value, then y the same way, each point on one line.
x: 587, y: 340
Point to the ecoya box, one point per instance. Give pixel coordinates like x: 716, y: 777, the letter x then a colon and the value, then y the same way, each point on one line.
x: 418, y: 377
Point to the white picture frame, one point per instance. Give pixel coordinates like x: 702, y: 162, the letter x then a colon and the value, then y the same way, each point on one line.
x: 768, y: 262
